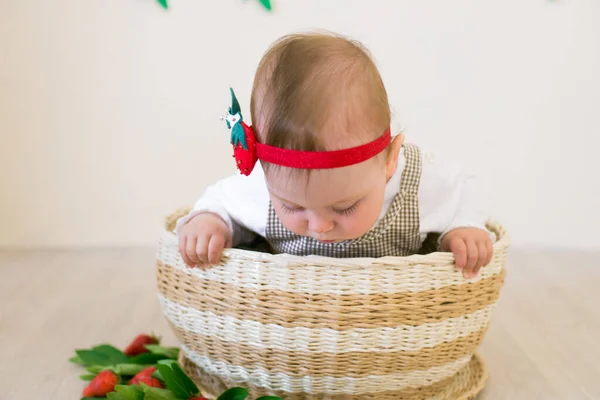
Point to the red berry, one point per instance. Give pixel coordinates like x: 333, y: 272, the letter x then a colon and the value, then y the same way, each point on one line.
x: 145, y: 372
x: 146, y: 380
x: 102, y: 384
x: 138, y: 346
x: 145, y: 376
x: 197, y: 398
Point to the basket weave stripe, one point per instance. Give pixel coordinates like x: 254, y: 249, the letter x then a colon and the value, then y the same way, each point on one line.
x: 310, y: 279
x: 260, y: 377
x: 337, y: 365
x: 260, y: 336
x: 462, y: 386
x: 329, y: 311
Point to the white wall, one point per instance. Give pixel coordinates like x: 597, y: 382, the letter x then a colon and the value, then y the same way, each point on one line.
x: 109, y: 108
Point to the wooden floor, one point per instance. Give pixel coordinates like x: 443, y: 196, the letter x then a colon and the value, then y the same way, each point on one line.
x: 544, y: 342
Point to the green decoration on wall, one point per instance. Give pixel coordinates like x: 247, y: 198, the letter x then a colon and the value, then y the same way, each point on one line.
x: 266, y: 4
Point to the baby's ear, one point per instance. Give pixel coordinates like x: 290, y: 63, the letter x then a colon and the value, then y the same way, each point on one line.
x: 392, y: 158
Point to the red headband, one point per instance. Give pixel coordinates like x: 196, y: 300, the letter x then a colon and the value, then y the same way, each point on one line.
x: 247, y: 151
x: 323, y: 159
x: 247, y: 158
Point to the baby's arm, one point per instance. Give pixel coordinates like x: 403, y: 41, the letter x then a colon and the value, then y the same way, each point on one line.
x: 230, y: 212
x: 451, y: 203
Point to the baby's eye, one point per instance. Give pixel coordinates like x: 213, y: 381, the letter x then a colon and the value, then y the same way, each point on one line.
x: 290, y: 209
x: 346, y: 211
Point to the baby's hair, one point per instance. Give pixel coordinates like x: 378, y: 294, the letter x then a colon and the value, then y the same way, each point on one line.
x: 318, y: 92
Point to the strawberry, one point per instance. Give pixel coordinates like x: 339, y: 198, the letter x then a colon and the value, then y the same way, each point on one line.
x: 197, y: 398
x: 102, y: 384
x: 145, y: 376
x: 147, y: 371
x: 138, y: 346
x: 147, y: 380
x: 244, y: 150
x: 242, y: 137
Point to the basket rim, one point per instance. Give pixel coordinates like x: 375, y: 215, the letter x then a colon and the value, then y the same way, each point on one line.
x: 439, y: 258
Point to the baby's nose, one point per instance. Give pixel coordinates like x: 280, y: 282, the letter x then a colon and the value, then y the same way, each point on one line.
x: 320, y: 225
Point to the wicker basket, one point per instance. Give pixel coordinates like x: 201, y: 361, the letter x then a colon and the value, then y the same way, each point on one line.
x: 321, y: 328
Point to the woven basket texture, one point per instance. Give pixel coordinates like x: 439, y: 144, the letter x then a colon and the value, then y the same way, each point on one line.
x: 322, y: 328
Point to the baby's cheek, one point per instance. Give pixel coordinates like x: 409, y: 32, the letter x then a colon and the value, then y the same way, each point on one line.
x: 358, y: 225
x: 293, y: 223
x: 364, y: 221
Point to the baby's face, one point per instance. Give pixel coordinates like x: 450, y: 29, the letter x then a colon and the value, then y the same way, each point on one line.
x: 333, y: 205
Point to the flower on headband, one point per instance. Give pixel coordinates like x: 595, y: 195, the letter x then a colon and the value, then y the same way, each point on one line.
x: 242, y: 138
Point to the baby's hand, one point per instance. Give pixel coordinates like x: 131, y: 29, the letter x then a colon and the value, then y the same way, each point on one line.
x: 472, y: 249
x: 202, y: 240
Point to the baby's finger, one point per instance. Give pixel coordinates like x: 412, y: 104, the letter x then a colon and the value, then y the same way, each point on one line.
x: 472, y: 257
x: 459, y: 249
x: 490, y: 252
x: 182, y: 246
x: 215, y: 248
x: 190, y: 250
x: 481, y: 259
x: 202, y: 250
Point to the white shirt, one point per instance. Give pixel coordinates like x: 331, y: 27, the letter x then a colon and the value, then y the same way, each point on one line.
x: 449, y: 198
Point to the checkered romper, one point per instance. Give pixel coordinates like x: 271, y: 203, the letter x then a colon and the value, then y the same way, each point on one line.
x: 396, y: 234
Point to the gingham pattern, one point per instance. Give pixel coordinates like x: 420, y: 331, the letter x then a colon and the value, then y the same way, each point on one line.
x: 397, y: 234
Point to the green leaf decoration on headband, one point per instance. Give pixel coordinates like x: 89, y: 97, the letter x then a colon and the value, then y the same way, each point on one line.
x: 163, y: 3
x: 238, y: 136
x: 235, y: 104
x: 237, y: 130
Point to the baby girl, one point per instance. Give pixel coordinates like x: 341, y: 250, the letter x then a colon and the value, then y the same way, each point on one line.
x: 332, y: 179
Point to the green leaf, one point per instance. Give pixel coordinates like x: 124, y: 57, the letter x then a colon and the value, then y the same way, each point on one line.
x: 235, y: 104
x: 90, y: 357
x: 146, y: 358
x: 156, y: 374
x: 76, y: 360
x: 126, y: 392
x: 87, y: 377
x: 234, y: 394
x: 169, y: 352
x: 159, y: 394
x: 164, y: 3
x: 115, y: 396
x: 129, y: 369
x: 101, y: 355
x: 269, y: 398
x: 91, y: 398
x: 169, y: 362
x: 96, y: 369
x: 111, y: 352
x: 177, y: 381
x: 266, y: 4
x: 119, y: 369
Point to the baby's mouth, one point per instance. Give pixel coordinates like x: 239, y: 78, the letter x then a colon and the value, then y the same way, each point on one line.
x: 326, y: 241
